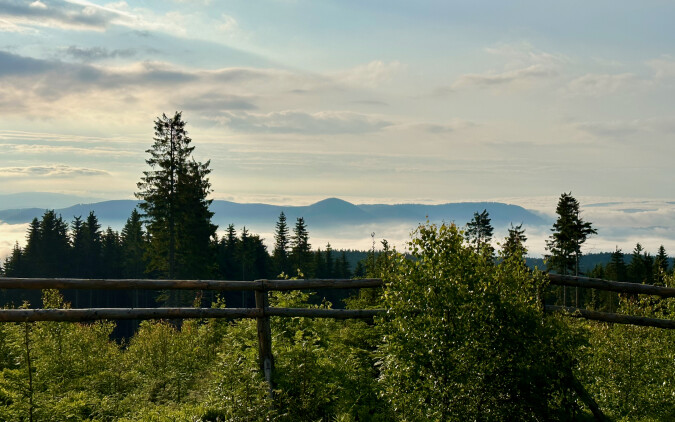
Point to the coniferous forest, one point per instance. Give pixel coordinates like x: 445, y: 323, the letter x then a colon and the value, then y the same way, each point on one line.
x: 464, y: 336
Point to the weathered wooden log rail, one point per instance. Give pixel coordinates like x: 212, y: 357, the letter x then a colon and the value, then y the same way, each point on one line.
x: 217, y: 285
x: 611, y: 317
x: 262, y: 312
x: 612, y: 286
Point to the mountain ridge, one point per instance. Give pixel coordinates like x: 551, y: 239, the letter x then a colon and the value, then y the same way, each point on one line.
x: 330, y: 212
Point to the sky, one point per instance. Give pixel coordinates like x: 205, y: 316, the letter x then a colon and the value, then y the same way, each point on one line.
x: 293, y: 101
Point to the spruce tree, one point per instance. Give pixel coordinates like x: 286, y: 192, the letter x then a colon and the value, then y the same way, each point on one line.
x: 77, y: 252
x: 92, y: 246
x: 479, y: 233
x: 31, y: 254
x: 175, y: 207
x: 52, y: 246
x: 111, y: 254
x: 133, y: 247
x: 330, y: 264
x: 514, y: 244
x: 244, y: 255
x: 227, y: 251
x: 637, y: 272
x: 300, y: 247
x: 319, y: 264
x: 281, y: 245
x: 342, y: 267
x: 570, y: 232
x: 616, y: 268
x: 14, y: 265
x: 661, y: 264
x: 650, y: 276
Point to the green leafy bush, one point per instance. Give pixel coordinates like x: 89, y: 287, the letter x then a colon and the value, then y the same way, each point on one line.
x: 465, y: 339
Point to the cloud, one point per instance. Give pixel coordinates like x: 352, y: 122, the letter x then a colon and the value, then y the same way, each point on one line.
x: 50, y: 88
x: 7, y: 26
x: 63, y: 14
x: 664, y: 67
x: 51, y: 150
x: 524, y: 54
x: 13, y: 64
x: 610, y: 129
x: 371, y: 74
x: 10, y: 235
x: 488, y: 79
x: 50, y: 171
x: 370, y: 102
x: 98, y: 53
x: 229, y: 24
x: 214, y: 103
x: 522, y: 63
x: 291, y: 121
x: 622, y: 128
x: 598, y: 85
x: 435, y: 128
x: 60, y: 78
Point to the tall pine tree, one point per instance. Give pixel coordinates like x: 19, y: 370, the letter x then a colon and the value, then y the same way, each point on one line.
x: 301, y: 255
x: 133, y: 247
x: 570, y: 232
x: 281, y: 245
x: 176, y: 209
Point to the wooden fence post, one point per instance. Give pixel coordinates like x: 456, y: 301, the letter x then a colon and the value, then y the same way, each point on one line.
x: 264, y: 334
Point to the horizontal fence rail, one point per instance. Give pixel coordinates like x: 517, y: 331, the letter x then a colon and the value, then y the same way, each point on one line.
x: 262, y: 312
x: 218, y: 285
x: 612, y: 286
x: 611, y: 317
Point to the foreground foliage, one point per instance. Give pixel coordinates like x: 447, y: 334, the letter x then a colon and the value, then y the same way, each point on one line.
x: 464, y: 339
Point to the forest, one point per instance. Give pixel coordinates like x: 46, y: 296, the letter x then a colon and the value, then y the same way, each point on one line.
x: 464, y: 336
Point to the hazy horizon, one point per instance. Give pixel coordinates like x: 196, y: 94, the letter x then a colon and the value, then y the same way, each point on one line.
x: 620, y: 222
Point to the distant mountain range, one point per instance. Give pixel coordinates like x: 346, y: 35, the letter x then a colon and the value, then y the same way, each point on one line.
x: 42, y: 200
x: 328, y: 213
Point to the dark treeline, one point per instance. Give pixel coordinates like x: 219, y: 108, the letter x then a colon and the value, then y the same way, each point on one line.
x: 82, y: 249
x: 637, y: 267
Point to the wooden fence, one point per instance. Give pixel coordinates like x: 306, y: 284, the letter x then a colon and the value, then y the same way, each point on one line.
x: 262, y: 312
x: 612, y: 286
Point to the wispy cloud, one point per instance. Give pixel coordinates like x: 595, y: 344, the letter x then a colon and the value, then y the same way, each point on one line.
x: 663, y: 67
x: 619, y: 129
x: 371, y: 74
x: 80, y: 15
x: 98, y: 53
x: 213, y: 103
x: 488, y: 79
x: 50, y: 171
x: 598, y: 85
x: 51, y: 150
x: 293, y: 121
x: 522, y: 64
x: 438, y: 128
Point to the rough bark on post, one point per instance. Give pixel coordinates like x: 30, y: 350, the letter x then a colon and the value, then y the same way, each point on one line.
x: 264, y: 335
